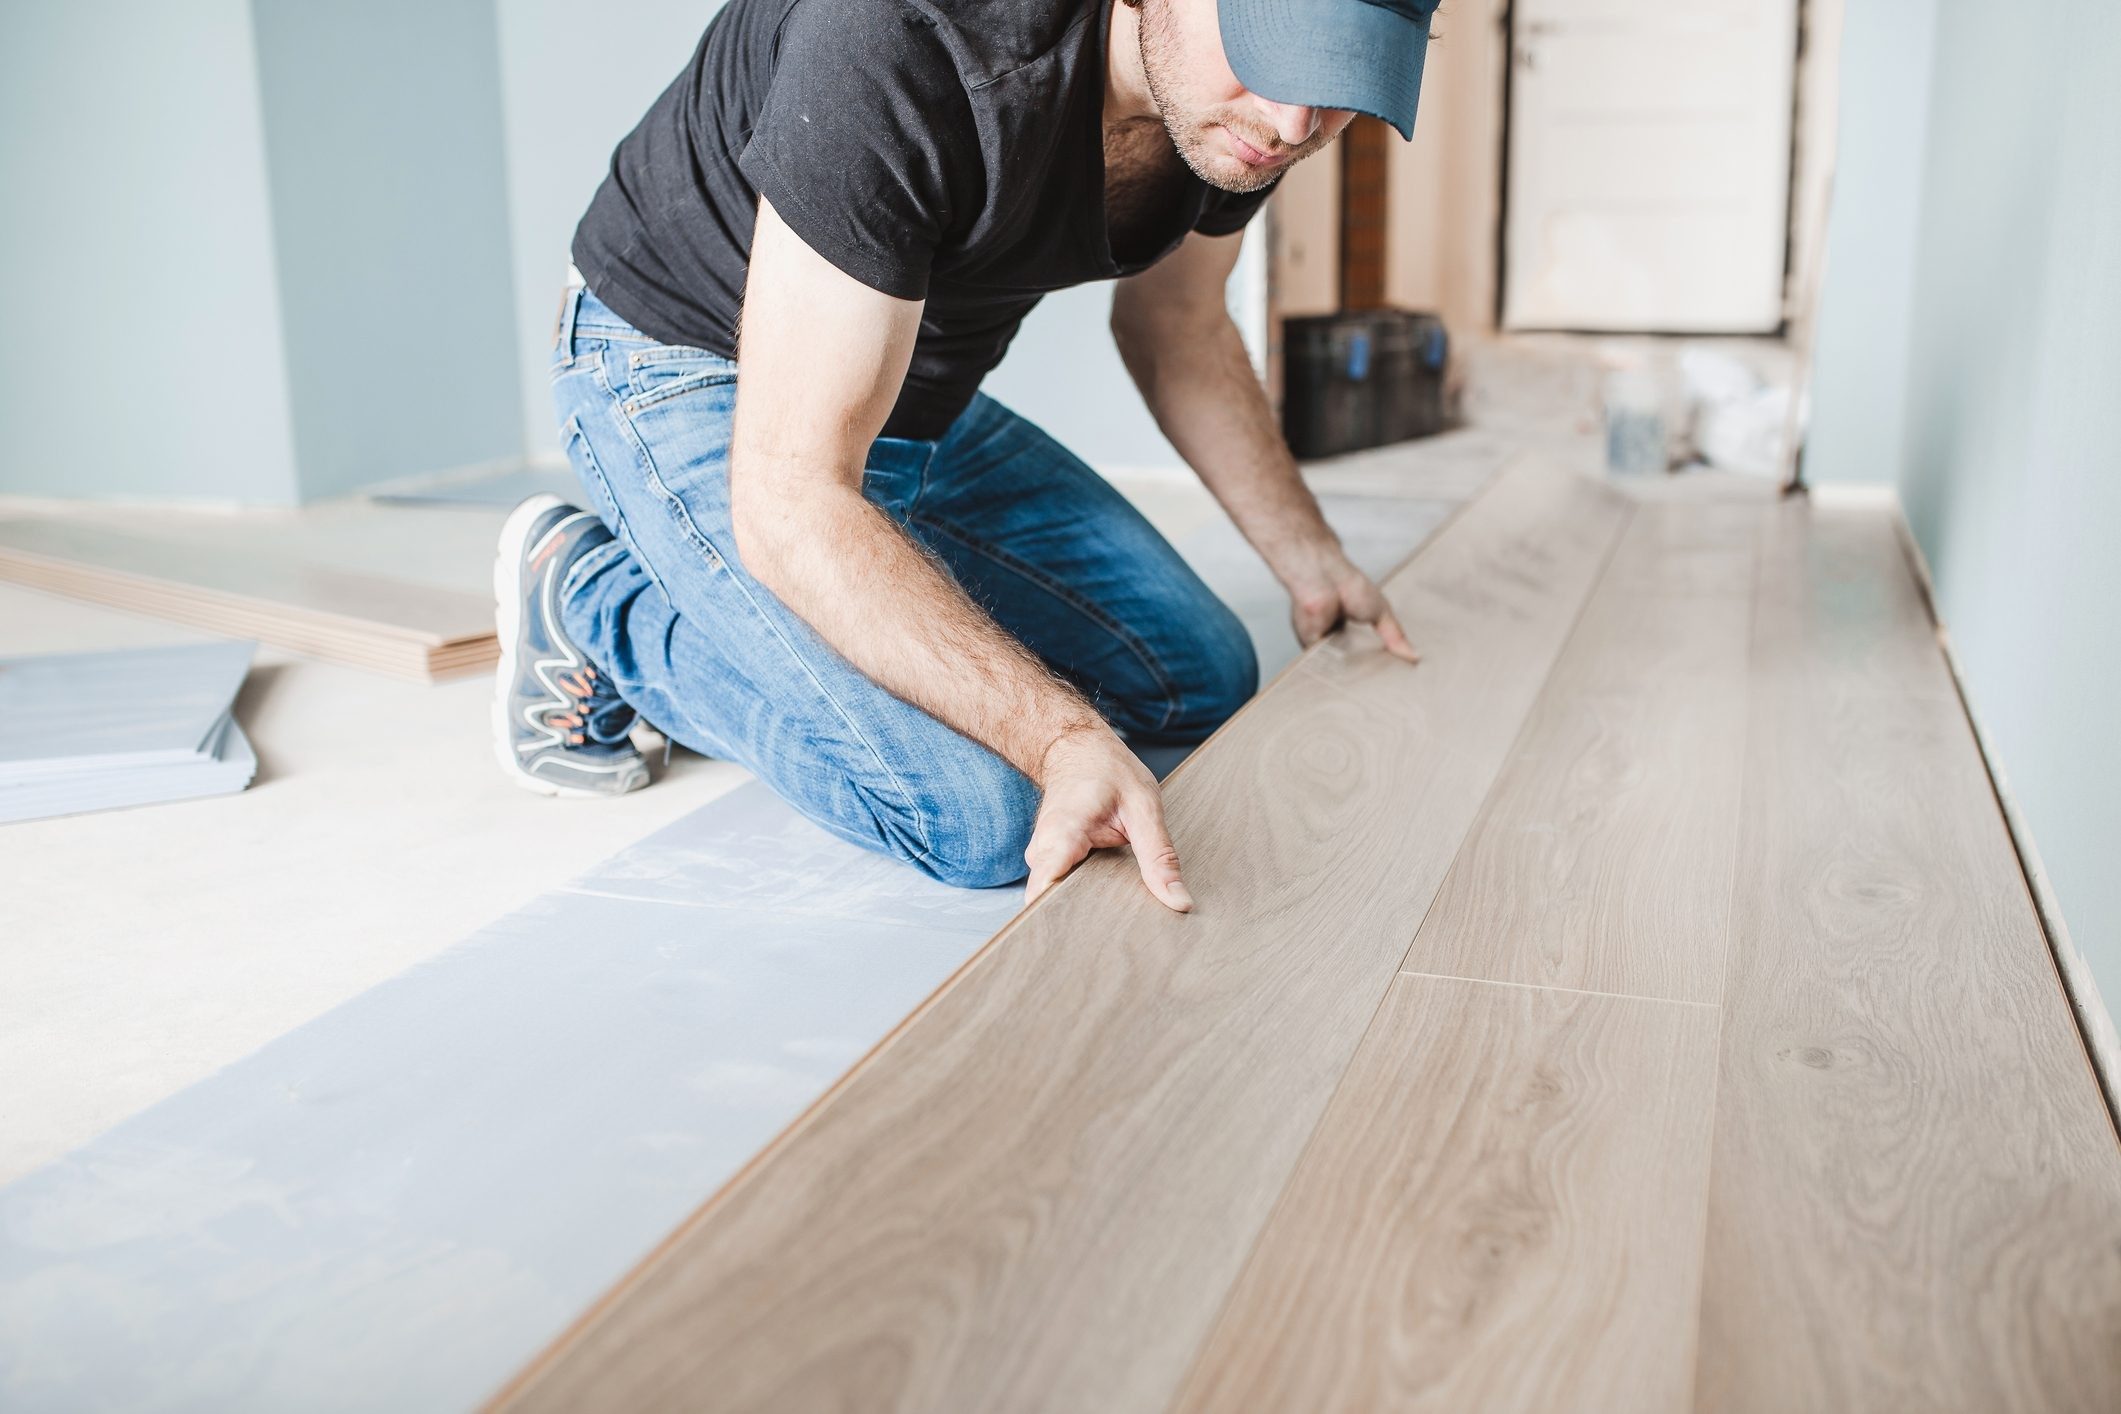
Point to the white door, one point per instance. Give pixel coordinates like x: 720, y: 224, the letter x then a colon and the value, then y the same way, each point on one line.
x: 1649, y: 178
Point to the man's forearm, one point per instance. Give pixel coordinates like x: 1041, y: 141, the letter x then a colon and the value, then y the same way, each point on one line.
x: 875, y: 595
x: 1199, y: 385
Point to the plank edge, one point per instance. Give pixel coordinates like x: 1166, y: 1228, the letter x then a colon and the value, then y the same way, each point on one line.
x: 577, y: 1329
x: 2080, y: 989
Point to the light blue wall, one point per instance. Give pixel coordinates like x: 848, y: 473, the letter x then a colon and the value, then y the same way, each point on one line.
x: 2006, y: 446
x: 143, y: 356
x: 340, y: 252
x: 576, y: 75
x: 390, y: 213
x: 1860, y: 353
x: 2013, y: 472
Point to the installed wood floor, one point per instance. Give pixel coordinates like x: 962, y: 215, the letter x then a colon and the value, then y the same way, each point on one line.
x: 1634, y: 1007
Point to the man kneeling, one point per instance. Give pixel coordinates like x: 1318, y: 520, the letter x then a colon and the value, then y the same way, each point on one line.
x: 916, y: 616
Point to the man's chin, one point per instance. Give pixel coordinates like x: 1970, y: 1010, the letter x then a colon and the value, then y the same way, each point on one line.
x: 1246, y: 179
x: 1232, y: 174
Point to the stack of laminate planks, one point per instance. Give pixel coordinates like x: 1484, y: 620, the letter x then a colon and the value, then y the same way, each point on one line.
x: 387, y: 626
x: 139, y: 726
x: 1636, y: 1006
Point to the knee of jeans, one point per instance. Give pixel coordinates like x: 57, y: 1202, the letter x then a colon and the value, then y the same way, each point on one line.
x: 973, y: 826
x: 1224, y: 678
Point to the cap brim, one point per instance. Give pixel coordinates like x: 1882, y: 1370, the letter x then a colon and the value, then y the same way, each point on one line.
x: 1344, y: 54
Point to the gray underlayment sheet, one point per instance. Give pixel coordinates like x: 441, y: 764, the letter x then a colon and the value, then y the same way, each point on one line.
x: 92, y: 731
x: 395, y: 1206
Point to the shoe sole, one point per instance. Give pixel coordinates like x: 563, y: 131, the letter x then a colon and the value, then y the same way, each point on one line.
x: 508, y: 627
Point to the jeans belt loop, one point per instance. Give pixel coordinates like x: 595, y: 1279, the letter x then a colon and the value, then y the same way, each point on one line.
x: 563, y: 335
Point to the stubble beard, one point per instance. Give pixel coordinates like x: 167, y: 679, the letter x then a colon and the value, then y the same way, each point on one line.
x: 1189, y: 131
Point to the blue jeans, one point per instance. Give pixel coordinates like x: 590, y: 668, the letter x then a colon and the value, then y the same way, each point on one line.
x: 708, y: 654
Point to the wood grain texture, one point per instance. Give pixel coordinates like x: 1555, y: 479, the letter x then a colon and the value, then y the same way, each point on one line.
x: 1036, y: 1195
x: 1841, y: 615
x: 1916, y: 1195
x: 1602, y: 860
x: 1500, y: 1211
x: 406, y: 630
x: 1450, y: 466
x: 1709, y: 546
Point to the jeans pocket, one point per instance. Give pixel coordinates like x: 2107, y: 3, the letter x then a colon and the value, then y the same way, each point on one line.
x: 665, y: 371
x: 590, y: 472
x: 586, y: 359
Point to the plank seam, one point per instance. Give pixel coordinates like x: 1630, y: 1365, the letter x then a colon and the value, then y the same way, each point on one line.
x: 1730, y: 937
x: 1605, y: 564
x: 528, y: 1375
x: 1745, y: 748
x: 1303, y: 1151
x: 1545, y: 987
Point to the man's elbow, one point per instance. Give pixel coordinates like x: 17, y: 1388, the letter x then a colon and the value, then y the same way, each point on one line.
x: 1142, y: 339
x: 1147, y: 334
x: 1133, y: 328
x: 753, y: 526
x: 777, y: 520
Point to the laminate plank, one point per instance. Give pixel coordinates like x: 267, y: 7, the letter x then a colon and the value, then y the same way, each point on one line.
x: 1603, y: 858
x: 1037, y: 1193
x: 1840, y: 612
x: 1501, y: 1210
x: 1915, y: 1200
x: 380, y: 653
x: 363, y: 620
x: 1690, y: 548
x: 1451, y: 465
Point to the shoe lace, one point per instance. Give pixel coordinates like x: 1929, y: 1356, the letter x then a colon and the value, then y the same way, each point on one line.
x: 595, y: 710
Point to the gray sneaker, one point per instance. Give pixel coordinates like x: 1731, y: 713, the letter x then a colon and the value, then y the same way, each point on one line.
x: 559, y: 727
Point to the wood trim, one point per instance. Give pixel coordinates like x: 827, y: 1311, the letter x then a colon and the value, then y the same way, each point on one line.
x: 1363, y: 204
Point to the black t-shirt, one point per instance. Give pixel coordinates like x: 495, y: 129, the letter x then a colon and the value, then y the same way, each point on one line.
x: 946, y: 150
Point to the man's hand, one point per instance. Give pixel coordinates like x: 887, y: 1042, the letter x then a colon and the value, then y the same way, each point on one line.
x: 1327, y: 590
x: 1175, y: 334
x: 1097, y: 795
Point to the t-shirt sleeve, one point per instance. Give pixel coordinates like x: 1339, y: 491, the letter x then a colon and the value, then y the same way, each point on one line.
x: 1226, y: 213
x: 865, y: 142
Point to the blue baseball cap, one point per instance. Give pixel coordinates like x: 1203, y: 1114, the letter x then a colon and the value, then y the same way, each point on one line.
x: 1363, y: 56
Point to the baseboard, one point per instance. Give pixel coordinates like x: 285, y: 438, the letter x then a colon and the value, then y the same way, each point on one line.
x: 2102, y: 1043
x: 1853, y: 493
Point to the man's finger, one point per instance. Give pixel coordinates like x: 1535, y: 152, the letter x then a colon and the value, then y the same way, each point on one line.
x: 1154, y: 853
x: 1395, y: 638
x: 1050, y: 860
